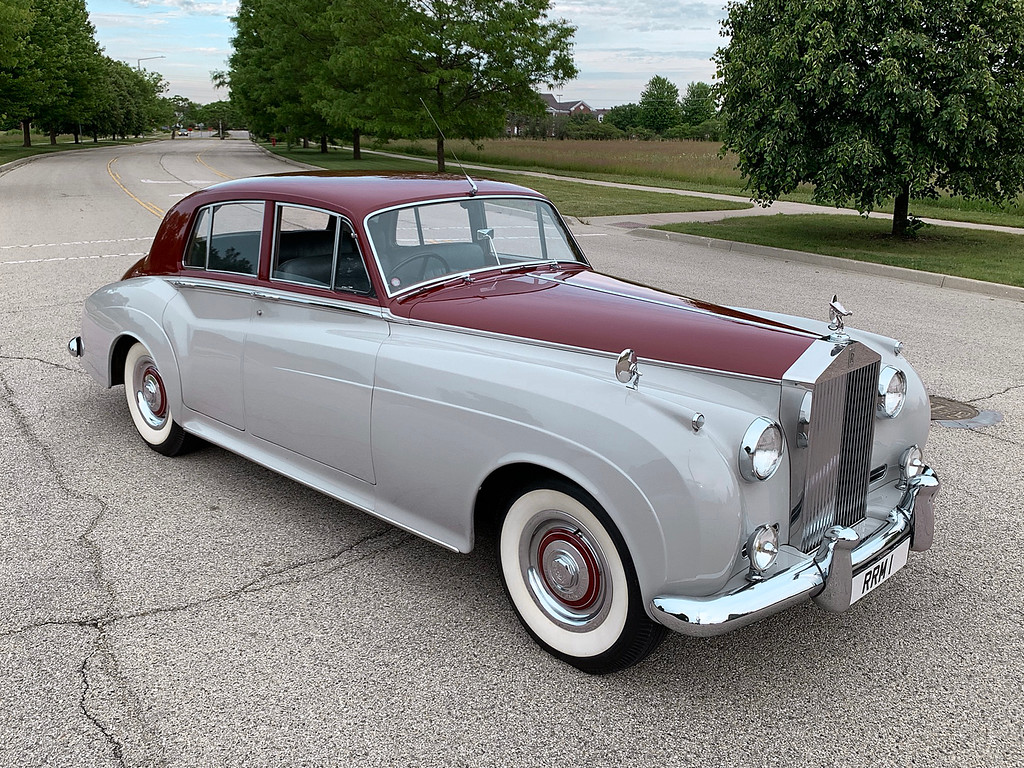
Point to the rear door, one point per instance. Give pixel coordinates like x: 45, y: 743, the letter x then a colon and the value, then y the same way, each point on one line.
x: 208, y: 320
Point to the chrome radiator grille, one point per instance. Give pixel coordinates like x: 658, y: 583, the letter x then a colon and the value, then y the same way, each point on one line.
x: 839, y: 439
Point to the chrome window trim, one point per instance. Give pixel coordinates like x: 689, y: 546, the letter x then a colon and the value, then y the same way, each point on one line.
x: 209, y: 238
x: 258, y: 292
x: 556, y: 215
x: 278, y: 204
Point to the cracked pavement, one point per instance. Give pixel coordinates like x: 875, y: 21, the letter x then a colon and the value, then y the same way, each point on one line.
x: 203, y: 611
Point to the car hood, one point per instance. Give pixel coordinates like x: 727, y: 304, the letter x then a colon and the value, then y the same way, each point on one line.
x: 584, y: 309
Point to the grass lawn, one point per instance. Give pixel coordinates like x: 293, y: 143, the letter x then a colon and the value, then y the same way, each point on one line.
x: 693, y: 165
x: 996, y: 257
x: 11, y: 141
x: 571, y: 197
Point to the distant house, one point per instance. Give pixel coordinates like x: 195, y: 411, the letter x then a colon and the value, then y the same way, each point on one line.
x: 555, y: 107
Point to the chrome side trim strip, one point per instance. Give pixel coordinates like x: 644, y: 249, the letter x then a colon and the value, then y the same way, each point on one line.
x: 282, y: 297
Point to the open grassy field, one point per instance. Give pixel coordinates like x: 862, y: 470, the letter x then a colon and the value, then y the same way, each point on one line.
x: 996, y: 257
x: 694, y: 165
x: 572, y: 198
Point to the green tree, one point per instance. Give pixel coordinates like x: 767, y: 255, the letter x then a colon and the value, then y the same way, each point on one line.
x: 79, y: 79
x: 659, y: 105
x: 625, y: 117
x: 16, y: 18
x: 875, y: 101
x: 278, y: 65
x: 472, y: 62
x: 698, y: 105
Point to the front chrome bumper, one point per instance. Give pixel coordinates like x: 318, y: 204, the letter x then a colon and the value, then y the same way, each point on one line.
x: 825, y: 577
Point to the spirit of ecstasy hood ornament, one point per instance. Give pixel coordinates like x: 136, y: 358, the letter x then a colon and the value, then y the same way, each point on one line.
x: 836, y: 313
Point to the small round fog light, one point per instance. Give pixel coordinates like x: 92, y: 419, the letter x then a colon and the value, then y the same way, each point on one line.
x: 911, y: 465
x: 762, y: 549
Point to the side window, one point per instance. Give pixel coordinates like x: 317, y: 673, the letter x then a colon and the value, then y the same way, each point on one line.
x: 317, y: 248
x: 198, y: 248
x: 235, y: 238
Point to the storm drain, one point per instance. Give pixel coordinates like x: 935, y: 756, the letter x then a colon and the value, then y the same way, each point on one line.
x: 957, y: 415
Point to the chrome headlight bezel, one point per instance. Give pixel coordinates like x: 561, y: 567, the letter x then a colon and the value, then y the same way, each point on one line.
x: 892, y: 392
x: 761, y: 449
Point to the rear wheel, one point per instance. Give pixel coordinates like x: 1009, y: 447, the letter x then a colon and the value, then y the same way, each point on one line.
x: 147, y: 402
x: 570, y: 578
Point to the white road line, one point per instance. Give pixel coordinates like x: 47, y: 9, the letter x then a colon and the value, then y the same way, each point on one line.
x: 71, y: 258
x: 76, y: 242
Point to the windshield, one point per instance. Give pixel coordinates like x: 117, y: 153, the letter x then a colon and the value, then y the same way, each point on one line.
x: 430, y: 241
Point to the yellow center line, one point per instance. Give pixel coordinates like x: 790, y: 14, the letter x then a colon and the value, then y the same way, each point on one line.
x: 158, y: 212
x: 199, y: 159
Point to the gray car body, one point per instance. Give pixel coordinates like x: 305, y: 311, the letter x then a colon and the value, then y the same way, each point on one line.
x: 429, y: 413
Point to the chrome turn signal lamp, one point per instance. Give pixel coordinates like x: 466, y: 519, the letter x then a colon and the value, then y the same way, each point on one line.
x: 761, y: 449
x: 892, y: 392
x: 762, y: 549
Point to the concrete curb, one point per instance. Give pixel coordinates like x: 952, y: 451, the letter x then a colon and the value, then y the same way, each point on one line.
x: 995, y: 290
x: 296, y: 163
x: 20, y: 162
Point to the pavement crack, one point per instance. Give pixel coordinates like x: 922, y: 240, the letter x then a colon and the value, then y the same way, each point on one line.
x: 86, y: 540
x: 28, y: 359
x: 380, y: 541
x: 83, y: 703
x: 1009, y: 389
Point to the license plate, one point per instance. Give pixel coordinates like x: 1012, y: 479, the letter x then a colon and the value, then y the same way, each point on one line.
x: 879, y: 572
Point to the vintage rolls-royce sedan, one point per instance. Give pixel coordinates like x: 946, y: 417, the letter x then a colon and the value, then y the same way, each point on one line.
x: 438, y: 352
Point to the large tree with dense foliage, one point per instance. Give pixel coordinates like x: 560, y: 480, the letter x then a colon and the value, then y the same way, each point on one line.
x: 278, y: 66
x: 15, y: 21
x: 872, y: 101
x: 472, y: 62
x: 659, y: 105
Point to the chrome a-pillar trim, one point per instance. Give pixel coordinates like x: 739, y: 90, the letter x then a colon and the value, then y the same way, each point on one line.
x: 826, y: 576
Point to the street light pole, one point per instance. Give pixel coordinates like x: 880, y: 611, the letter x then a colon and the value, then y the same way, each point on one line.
x: 138, y: 62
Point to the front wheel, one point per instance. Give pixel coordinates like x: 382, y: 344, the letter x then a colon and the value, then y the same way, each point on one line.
x: 147, y: 403
x: 571, y: 580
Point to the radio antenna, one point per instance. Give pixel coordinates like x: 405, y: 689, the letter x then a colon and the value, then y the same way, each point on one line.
x: 472, y: 184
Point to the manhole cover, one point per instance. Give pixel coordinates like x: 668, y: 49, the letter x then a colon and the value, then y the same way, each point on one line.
x: 944, y: 409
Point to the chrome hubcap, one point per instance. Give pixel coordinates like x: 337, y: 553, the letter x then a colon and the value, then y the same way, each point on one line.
x: 150, y: 395
x: 565, y: 572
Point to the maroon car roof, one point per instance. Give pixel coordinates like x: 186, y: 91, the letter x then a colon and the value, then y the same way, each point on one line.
x: 357, y: 193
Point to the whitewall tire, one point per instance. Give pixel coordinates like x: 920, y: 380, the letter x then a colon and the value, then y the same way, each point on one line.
x: 571, y: 580
x: 148, y: 404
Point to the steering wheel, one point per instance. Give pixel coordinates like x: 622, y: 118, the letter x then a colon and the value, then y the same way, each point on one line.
x: 425, y: 257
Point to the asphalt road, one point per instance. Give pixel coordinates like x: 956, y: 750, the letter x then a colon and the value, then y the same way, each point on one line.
x: 202, y: 611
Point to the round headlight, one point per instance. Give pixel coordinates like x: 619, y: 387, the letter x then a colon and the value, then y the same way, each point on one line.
x: 761, y: 449
x: 762, y: 548
x: 892, y: 392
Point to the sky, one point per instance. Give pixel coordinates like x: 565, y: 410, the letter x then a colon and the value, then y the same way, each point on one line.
x: 619, y: 44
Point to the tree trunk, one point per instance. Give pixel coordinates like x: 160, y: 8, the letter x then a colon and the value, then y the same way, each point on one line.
x: 26, y: 126
x: 356, y: 152
x: 440, y: 153
x: 53, y: 137
x: 900, y: 211
x: 305, y: 143
x: 323, y: 143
